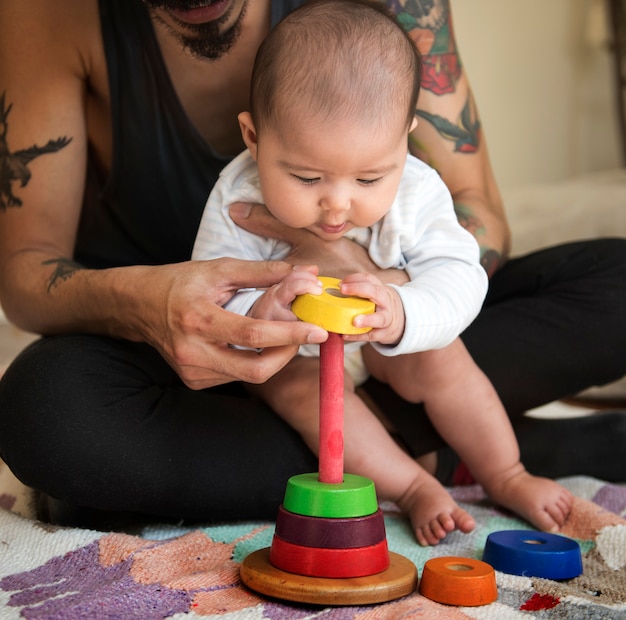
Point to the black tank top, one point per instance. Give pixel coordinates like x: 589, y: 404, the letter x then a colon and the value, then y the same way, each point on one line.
x: 148, y: 210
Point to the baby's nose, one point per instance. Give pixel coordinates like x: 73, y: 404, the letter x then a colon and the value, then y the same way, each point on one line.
x: 336, y: 201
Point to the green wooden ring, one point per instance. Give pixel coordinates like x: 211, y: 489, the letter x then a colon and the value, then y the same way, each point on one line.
x: 354, y: 497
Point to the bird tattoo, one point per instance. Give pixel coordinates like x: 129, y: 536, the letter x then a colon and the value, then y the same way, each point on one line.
x: 14, y: 166
x: 465, y: 134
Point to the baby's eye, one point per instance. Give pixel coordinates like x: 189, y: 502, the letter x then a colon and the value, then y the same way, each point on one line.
x: 305, y: 180
x: 369, y: 181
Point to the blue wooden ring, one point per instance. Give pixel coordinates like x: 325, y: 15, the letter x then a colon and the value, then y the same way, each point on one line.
x: 533, y: 554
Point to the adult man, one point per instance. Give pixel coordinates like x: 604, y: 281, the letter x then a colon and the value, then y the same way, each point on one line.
x: 132, y: 111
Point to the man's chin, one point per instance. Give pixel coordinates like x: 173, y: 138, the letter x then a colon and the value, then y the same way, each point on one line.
x: 203, y: 38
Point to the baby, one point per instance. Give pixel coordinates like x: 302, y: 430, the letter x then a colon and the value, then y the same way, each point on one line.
x: 333, y: 98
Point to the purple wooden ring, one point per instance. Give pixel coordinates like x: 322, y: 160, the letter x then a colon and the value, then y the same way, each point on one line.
x: 326, y: 533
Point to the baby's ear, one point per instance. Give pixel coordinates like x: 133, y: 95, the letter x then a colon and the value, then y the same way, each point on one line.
x: 248, y: 132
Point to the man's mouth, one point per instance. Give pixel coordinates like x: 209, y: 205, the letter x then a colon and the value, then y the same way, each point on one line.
x: 201, y: 12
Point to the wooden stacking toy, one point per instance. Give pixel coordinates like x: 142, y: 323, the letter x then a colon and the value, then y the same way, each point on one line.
x: 330, y: 545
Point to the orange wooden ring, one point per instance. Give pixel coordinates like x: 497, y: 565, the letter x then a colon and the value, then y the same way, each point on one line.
x: 332, y: 563
x: 459, y: 581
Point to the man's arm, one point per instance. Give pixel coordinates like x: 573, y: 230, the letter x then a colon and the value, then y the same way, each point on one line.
x: 449, y: 135
x: 43, y: 145
x: 53, y: 107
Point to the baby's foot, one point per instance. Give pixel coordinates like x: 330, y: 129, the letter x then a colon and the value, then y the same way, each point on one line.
x: 433, y: 512
x: 542, y: 502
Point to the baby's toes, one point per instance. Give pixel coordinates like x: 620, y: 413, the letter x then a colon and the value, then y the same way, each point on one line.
x: 567, y: 501
x: 433, y: 531
x: 425, y: 536
x: 421, y: 537
x: 547, y: 519
x: 464, y: 521
x: 446, y: 523
x: 559, y: 512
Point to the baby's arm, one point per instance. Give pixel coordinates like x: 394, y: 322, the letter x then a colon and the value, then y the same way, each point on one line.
x: 447, y: 284
x: 387, y: 322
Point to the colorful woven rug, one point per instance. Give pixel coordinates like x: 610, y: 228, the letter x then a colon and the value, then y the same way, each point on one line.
x: 178, y: 572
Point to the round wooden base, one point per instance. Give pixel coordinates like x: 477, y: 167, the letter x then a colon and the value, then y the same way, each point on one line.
x: 399, y: 580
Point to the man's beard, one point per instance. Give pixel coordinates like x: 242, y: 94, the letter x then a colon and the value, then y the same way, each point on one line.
x: 209, y: 40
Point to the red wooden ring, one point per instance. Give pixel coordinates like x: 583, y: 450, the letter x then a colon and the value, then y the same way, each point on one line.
x: 331, y: 563
x: 330, y: 533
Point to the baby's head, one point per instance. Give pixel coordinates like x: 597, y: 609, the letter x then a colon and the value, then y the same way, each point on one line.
x: 333, y: 97
x: 336, y: 61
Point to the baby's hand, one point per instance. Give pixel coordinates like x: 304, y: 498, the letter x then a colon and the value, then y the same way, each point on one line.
x: 387, y: 322
x: 275, y: 303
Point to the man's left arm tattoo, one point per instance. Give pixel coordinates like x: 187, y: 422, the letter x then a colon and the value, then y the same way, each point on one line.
x: 14, y: 165
x: 64, y: 270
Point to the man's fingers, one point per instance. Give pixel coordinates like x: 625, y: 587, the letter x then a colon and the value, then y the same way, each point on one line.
x: 237, y: 273
x: 257, y: 219
x: 269, y: 346
x: 239, y: 365
x: 259, y: 367
x: 243, y: 331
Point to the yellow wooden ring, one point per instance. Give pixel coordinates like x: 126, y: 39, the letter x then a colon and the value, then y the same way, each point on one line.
x: 331, y: 310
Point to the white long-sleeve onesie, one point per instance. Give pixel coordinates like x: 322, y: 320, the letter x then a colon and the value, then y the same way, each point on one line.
x: 419, y: 234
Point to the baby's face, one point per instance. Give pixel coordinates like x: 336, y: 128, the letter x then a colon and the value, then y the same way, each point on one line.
x: 330, y: 179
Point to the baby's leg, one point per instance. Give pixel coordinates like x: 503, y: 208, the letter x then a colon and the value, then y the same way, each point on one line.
x: 465, y: 409
x: 293, y: 393
x: 369, y: 450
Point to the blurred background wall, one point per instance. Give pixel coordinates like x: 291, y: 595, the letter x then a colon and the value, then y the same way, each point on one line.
x: 543, y: 78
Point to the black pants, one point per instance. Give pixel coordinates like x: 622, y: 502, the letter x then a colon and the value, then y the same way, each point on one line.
x: 107, y: 424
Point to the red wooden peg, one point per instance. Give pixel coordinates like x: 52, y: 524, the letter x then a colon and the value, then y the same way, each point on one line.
x: 331, y: 410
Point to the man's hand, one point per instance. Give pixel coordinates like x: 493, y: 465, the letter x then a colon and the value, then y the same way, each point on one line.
x: 334, y: 258
x: 193, y: 332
